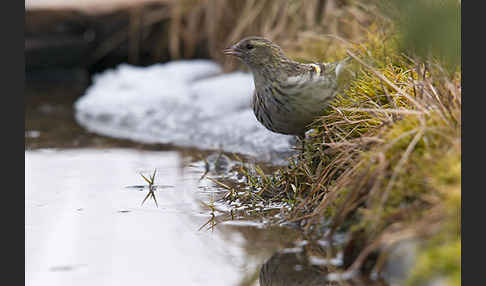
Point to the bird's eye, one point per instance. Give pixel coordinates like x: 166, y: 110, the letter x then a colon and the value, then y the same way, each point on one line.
x: 249, y: 46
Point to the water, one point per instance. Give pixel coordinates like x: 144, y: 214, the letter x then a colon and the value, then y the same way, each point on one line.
x: 85, y: 225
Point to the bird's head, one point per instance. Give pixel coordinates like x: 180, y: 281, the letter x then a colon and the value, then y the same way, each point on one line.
x: 257, y: 53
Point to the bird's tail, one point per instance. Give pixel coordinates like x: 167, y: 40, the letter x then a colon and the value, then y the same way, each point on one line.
x: 345, y: 72
x: 341, y: 65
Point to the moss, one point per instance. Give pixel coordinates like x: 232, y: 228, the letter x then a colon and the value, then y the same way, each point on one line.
x: 438, y: 261
x: 332, y: 210
x: 318, y: 49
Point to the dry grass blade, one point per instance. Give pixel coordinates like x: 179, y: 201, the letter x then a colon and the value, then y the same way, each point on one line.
x: 383, y: 110
x: 401, y: 163
x: 152, y: 178
x: 220, y: 184
x: 250, y: 12
x: 146, y: 180
x: 151, y: 187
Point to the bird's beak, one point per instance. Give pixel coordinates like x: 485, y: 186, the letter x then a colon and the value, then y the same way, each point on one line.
x: 233, y: 51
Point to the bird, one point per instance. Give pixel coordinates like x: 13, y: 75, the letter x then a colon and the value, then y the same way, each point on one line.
x: 288, y: 95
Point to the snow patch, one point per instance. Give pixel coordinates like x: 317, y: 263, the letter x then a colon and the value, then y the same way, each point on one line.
x: 185, y: 103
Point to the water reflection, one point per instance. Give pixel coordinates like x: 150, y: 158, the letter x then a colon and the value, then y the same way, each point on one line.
x: 309, y: 264
x: 85, y: 227
x: 288, y: 268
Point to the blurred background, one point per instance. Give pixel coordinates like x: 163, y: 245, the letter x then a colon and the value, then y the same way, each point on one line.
x: 69, y: 41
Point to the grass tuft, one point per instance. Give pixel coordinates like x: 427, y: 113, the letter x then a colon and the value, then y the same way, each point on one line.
x: 383, y: 162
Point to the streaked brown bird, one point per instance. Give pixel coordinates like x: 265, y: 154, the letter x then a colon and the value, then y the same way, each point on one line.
x: 288, y: 95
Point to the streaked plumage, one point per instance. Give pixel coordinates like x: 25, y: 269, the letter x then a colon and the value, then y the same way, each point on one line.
x: 288, y: 95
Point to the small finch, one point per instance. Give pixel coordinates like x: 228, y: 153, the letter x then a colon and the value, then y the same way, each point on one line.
x: 288, y: 95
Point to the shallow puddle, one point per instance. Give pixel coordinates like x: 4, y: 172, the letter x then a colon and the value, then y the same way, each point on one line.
x: 85, y: 224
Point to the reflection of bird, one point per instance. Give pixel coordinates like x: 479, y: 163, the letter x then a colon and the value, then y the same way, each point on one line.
x: 296, y: 268
x: 290, y: 269
x: 288, y: 95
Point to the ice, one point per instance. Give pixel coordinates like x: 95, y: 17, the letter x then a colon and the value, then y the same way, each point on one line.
x: 187, y: 103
